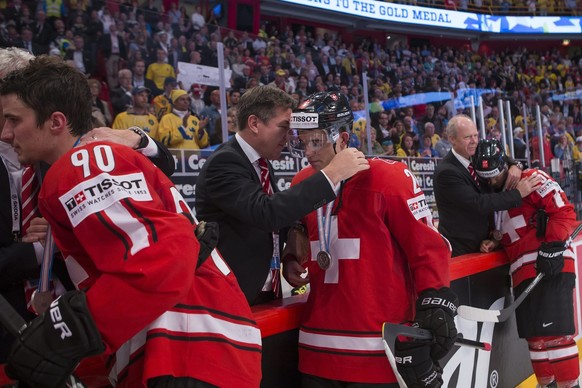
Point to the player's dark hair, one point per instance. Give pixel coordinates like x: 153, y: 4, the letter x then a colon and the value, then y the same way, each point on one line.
x: 263, y: 102
x: 49, y: 85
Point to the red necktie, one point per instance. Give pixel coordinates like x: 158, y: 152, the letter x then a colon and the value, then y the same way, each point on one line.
x: 265, y: 181
x: 29, y: 208
x: 473, y: 174
x: 30, y: 189
x: 275, y: 263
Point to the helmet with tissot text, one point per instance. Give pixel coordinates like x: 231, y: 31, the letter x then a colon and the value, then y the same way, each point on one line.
x: 328, y: 112
x: 489, y: 159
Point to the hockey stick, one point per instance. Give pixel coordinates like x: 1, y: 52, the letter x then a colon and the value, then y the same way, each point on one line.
x: 392, y: 330
x: 483, y: 315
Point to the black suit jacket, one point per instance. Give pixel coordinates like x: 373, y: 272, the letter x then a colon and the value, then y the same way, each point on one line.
x: 322, y: 71
x: 465, y: 208
x: 17, y: 262
x: 228, y: 191
x: 120, y: 100
x: 88, y: 60
x: 106, y: 46
x: 151, y: 85
x: 12, y: 252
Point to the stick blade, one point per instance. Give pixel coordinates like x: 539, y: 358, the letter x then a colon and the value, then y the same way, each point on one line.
x: 476, y: 314
x: 388, y: 342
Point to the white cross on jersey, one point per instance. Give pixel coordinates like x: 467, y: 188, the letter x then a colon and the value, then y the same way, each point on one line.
x: 510, y: 225
x: 341, y: 249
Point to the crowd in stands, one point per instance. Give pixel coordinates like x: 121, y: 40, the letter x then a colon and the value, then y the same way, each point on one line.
x: 130, y: 53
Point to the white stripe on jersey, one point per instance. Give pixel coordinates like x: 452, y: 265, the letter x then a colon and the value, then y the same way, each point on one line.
x: 531, y: 257
x: 219, y: 262
x: 554, y: 354
x: 127, y: 222
x: 341, y: 342
x: 187, y: 323
x: 76, y: 271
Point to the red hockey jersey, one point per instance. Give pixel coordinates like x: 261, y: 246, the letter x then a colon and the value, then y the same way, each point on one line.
x: 384, y: 251
x: 519, y: 227
x: 115, y: 219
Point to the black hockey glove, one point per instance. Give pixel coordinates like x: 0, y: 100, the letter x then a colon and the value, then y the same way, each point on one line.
x: 416, y: 366
x: 550, y: 259
x: 435, y: 311
x: 52, y: 345
x: 207, y: 235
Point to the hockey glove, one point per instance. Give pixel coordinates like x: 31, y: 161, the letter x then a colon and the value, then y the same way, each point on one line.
x: 52, y: 345
x: 550, y: 259
x: 207, y: 235
x: 416, y: 366
x: 435, y: 311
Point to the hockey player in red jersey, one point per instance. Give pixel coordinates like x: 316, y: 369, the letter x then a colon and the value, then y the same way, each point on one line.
x: 533, y: 236
x: 373, y: 254
x: 170, y: 316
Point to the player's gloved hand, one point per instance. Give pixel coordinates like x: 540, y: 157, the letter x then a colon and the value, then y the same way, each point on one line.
x: 416, y: 366
x: 550, y: 259
x: 435, y: 311
x: 51, y: 346
x: 207, y: 235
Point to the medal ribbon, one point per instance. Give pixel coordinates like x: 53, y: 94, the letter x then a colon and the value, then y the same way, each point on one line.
x: 324, y: 227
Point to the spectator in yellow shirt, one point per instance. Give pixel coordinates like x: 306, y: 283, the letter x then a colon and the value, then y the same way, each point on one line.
x: 180, y: 128
x: 160, y: 70
x: 137, y: 115
x: 162, y: 103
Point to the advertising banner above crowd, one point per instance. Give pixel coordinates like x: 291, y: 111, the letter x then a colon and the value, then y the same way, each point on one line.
x: 470, y: 21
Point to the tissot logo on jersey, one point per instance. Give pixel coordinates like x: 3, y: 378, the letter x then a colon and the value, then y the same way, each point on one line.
x: 547, y: 187
x: 98, y: 193
x: 418, y: 207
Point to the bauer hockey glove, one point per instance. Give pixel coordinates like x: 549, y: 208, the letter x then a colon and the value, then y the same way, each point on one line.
x: 435, y: 311
x: 550, y: 259
x: 52, y: 345
x: 416, y: 366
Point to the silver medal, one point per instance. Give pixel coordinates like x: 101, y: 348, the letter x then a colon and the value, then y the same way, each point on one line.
x: 323, y: 260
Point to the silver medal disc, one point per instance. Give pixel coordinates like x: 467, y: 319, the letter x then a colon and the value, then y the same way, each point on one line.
x: 323, y: 260
x: 41, y: 301
x: 497, y: 235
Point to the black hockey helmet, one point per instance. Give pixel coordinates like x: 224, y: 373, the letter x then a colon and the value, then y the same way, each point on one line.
x: 327, y: 111
x: 489, y: 159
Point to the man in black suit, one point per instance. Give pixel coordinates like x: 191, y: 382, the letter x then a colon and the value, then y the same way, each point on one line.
x: 28, y: 44
x: 121, y: 97
x: 43, y: 32
x: 324, y: 66
x: 81, y: 56
x: 465, y: 204
x: 229, y: 190
x: 114, y: 50
x: 17, y: 259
